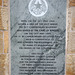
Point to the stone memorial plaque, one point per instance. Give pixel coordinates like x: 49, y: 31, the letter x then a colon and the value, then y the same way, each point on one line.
x: 37, y: 31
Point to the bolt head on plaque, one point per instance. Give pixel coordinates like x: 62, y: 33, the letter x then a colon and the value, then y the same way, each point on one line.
x: 38, y: 8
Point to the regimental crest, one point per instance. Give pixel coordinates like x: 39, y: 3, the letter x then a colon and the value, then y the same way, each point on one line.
x: 38, y: 8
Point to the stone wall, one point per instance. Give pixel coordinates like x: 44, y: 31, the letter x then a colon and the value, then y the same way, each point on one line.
x: 4, y: 70
x: 70, y: 48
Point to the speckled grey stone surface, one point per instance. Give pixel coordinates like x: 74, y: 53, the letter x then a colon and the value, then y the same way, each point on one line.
x: 57, y: 12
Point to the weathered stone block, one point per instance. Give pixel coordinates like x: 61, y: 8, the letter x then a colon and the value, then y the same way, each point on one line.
x: 73, y: 24
x: 73, y: 18
x: 4, y: 14
x: 5, y: 2
x: 6, y: 42
x: 3, y: 18
x: 0, y: 2
x: 71, y: 43
x: 1, y: 26
x: 72, y: 3
x: 70, y: 65
x: 4, y: 64
x: 1, y: 42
